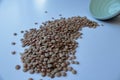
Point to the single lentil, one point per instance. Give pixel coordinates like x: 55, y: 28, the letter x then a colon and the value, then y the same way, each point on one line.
x: 58, y: 74
x: 13, y: 52
x: 17, y: 67
x: 13, y: 43
x: 64, y: 74
x: 46, y: 11
x: 15, y: 34
x: 36, y: 23
x: 30, y: 79
x: 60, y: 14
x: 69, y: 68
x: 74, y: 71
x: 22, y: 31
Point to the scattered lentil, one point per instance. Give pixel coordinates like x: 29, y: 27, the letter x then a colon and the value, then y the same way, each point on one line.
x: 13, y: 43
x: 76, y: 62
x: 52, y: 76
x: 17, y: 67
x: 25, y: 70
x: 21, y: 39
x: 69, y: 68
x: 31, y: 71
x: 74, y: 71
x: 30, y: 79
x: 46, y: 11
x: 52, y: 17
x: 36, y: 23
x: 22, y: 31
x: 58, y: 74
x: 73, y: 62
x: 60, y: 14
x: 64, y: 74
x: 15, y: 34
x: 102, y: 25
x: 13, y: 52
x: 73, y: 57
x: 43, y: 74
x: 65, y: 69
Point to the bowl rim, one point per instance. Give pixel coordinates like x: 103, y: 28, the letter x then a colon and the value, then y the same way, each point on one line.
x: 101, y: 17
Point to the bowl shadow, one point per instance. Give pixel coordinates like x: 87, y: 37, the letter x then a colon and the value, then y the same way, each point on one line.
x: 115, y: 20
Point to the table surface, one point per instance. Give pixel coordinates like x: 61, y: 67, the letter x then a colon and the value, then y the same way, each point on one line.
x: 98, y: 51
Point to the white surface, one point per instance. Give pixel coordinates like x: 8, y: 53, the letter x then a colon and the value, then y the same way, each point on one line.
x: 98, y: 51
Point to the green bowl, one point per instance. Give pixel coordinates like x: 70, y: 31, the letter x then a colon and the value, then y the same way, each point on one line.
x: 104, y: 9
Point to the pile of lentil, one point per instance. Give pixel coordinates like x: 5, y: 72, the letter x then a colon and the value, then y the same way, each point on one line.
x: 52, y: 47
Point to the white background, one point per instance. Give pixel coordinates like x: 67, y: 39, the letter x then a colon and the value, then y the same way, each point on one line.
x: 98, y: 51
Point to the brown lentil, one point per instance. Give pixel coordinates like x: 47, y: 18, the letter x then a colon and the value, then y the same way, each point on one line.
x: 60, y: 14
x: 46, y: 11
x: 15, y: 34
x: 65, y: 69
x: 73, y: 62
x: 69, y: 68
x: 76, y: 62
x: 13, y: 43
x: 52, y: 17
x: 64, y: 74
x: 68, y: 63
x: 31, y: 72
x: 102, y: 25
x: 36, y: 23
x: 25, y: 70
x: 30, y: 79
x: 74, y: 71
x: 73, y: 57
x: 52, y: 76
x: 58, y: 74
x: 22, y: 31
x: 43, y: 74
x: 21, y: 39
x: 17, y: 67
x: 13, y: 52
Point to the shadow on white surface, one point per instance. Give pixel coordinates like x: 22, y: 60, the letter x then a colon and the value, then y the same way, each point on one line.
x: 115, y: 20
x: 0, y: 1
x: 119, y: 76
x: 1, y: 77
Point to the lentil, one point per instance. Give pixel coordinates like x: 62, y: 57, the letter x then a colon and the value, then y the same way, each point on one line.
x: 58, y: 74
x: 46, y: 11
x: 30, y: 79
x: 13, y: 52
x: 64, y: 74
x: 70, y: 68
x: 22, y: 31
x: 60, y: 14
x: 73, y: 62
x: 76, y: 62
x: 13, y: 43
x: 36, y: 23
x: 15, y: 34
x: 52, y: 17
x: 17, y: 67
x: 74, y: 71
